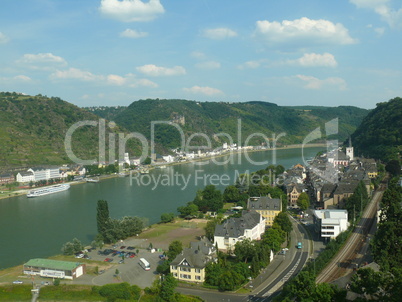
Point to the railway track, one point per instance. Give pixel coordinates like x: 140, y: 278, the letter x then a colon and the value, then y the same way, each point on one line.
x: 349, y: 256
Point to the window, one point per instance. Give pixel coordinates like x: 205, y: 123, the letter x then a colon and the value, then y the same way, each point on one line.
x: 185, y: 269
x: 174, y: 267
x: 197, y: 277
x: 197, y: 270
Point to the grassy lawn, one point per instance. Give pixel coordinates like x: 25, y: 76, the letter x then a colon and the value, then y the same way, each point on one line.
x: 161, y: 235
x: 18, y: 292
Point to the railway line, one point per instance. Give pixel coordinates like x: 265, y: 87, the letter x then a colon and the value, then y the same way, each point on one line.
x: 349, y: 257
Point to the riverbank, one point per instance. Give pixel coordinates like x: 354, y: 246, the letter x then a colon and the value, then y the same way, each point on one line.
x: 21, y: 192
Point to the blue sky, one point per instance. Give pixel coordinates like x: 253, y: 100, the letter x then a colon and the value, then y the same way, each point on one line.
x: 290, y: 52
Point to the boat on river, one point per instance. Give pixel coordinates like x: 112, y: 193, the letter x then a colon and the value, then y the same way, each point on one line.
x: 93, y: 180
x: 48, y: 190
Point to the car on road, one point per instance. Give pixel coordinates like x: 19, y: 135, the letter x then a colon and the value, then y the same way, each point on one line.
x: 299, y: 245
x: 101, y: 272
x: 17, y: 282
x: 108, y: 260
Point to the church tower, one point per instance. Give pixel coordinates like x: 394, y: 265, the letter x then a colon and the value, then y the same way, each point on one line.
x: 349, y: 150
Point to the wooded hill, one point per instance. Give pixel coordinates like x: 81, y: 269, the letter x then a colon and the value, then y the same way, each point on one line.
x: 380, y: 133
x: 33, y: 130
x: 256, y: 117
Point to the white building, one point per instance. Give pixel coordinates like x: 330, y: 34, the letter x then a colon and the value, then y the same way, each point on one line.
x: 168, y: 158
x: 25, y: 177
x: 45, y: 173
x: 251, y: 225
x: 330, y: 223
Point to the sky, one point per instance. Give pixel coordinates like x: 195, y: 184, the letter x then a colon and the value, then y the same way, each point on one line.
x: 289, y: 52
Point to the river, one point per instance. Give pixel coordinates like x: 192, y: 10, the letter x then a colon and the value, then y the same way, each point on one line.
x: 38, y: 227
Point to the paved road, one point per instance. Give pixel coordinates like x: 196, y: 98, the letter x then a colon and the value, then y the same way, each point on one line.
x: 266, y: 285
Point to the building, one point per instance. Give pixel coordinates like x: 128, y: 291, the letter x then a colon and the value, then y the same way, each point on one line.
x: 249, y: 226
x: 45, y: 173
x: 330, y: 223
x: 268, y: 207
x: 343, y: 191
x: 24, y: 177
x: 293, y: 192
x: 6, y: 178
x: 190, y: 264
x: 54, y: 268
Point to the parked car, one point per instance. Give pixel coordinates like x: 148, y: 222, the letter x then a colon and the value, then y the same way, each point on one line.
x: 121, y: 261
x: 108, y: 260
x: 17, y: 282
x: 123, y: 247
x: 101, y: 272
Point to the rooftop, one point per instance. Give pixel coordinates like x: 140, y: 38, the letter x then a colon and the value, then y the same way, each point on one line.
x: 52, y: 264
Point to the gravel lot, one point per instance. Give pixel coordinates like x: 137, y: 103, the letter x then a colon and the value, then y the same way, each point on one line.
x: 130, y: 271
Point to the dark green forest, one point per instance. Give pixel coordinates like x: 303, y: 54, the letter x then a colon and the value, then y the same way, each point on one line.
x: 211, y: 118
x: 380, y: 133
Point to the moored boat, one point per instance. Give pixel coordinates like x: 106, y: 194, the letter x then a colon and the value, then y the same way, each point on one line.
x: 48, y: 190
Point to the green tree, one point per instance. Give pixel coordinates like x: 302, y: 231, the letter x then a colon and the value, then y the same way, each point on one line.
x: 231, y: 194
x: 167, y: 290
x: 175, y: 248
x: 190, y: 210
x: 282, y: 219
x: 210, y: 228
x: 245, y: 250
x: 68, y: 248
x: 303, y: 202
x: 102, y: 216
x: 167, y: 217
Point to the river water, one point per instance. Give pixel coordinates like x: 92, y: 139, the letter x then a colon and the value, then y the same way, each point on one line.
x: 38, y: 227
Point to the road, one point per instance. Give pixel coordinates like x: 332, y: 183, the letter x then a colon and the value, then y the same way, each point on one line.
x: 351, y: 253
x: 271, y: 279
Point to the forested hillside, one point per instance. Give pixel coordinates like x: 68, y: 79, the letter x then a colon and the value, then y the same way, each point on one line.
x: 256, y: 117
x: 33, y: 131
x: 380, y: 133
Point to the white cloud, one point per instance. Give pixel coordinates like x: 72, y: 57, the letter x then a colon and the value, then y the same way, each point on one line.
x: 129, y: 80
x: 303, y: 31
x: 208, y: 65
x: 316, y: 84
x: 198, y: 55
x: 383, y: 8
x: 156, y: 71
x: 315, y: 60
x: 219, y: 33
x: 131, y: 10
x: 203, y: 90
x: 77, y: 74
x: 23, y: 78
x: 132, y: 33
x: 43, y: 61
x: 250, y: 65
x: 3, y: 38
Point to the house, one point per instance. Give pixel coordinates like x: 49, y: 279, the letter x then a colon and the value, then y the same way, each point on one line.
x: 190, y: 264
x: 330, y: 223
x: 293, y: 192
x: 268, y: 207
x: 6, y: 178
x: 24, y: 177
x: 343, y: 191
x: 327, y: 191
x: 54, y: 268
x: 249, y: 226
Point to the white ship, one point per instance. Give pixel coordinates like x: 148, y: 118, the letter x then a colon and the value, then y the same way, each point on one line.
x: 48, y: 190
